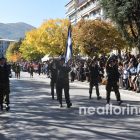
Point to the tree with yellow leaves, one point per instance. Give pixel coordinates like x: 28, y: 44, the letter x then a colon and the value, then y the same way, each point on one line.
x: 54, y: 35
x: 50, y: 37
x: 13, y: 54
x: 95, y: 37
x: 30, y: 46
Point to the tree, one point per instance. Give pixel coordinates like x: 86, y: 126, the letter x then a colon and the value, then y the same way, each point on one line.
x: 50, y: 37
x: 126, y: 15
x: 54, y: 32
x: 30, y: 47
x: 13, y: 54
x: 95, y: 37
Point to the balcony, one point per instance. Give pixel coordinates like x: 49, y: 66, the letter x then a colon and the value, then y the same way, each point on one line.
x: 87, y: 10
x: 82, y: 3
x: 96, y: 16
x: 71, y: 12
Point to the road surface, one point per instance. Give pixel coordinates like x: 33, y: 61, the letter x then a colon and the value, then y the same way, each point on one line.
x: 35, y: 116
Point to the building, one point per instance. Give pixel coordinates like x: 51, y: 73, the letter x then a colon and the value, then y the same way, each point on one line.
x: 83, y: 9
x: 71, y: 8
x: 88, y: 9
x: 4, y: 44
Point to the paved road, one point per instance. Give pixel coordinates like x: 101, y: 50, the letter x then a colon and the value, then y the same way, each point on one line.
x: 34, y: 116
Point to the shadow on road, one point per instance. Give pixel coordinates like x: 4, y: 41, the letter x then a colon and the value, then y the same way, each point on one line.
x: 35, y: 116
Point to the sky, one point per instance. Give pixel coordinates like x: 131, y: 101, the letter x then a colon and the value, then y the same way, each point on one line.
x: 32, y: 12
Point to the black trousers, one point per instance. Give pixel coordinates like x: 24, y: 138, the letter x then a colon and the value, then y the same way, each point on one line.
x: 72, y: 74
x: 4, y: 94
x: 53, y: 84
x: 91, y: 85
x: 112, y: 86
x: 60, y: 86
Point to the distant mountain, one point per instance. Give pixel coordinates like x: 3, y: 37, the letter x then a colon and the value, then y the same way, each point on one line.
x: 14, y: 30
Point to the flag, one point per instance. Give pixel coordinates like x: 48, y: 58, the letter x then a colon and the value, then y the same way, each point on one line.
x: 68, y: 54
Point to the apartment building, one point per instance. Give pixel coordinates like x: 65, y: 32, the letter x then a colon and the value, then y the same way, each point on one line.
x: 83, y: 9
x: 71, y: 11
x: 87, y: 9
x: 4, y: 44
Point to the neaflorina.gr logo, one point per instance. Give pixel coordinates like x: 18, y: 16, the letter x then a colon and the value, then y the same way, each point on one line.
x: 110, y: 110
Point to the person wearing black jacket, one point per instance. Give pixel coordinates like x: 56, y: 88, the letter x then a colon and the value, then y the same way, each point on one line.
x: 94, y: 79
x: 4, y: 83
x: 52, y: 73
x: 112, y: 79
x: 63, y: 82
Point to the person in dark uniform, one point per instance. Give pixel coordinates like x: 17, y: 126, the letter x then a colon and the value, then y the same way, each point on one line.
x: 52, y: 73
x: 112, y: 79
x: 63, y: 82
x: 17, y: 70
x: 39, y: 69
x: 94, y: 79
x: 4, y: 84
x: 31, y: 70
x: 72, y: 72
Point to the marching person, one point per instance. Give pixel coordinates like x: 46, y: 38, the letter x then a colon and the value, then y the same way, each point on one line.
x: 73, y: 72
x: 39, y: 68
x: 63, y: 82
x: 112, y: 79
x: 94, y: 79
x: 31, y: 70
x: 52, y: 73
x: 4, y: 84
x: 17, y: 70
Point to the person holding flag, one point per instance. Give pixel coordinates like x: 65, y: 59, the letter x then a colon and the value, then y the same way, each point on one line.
x: 63, y: 73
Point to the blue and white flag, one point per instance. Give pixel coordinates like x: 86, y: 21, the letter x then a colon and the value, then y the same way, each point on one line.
x: 68, y: 54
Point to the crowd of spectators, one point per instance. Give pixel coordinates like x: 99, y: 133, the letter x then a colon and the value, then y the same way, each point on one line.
x: 128, y: 66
